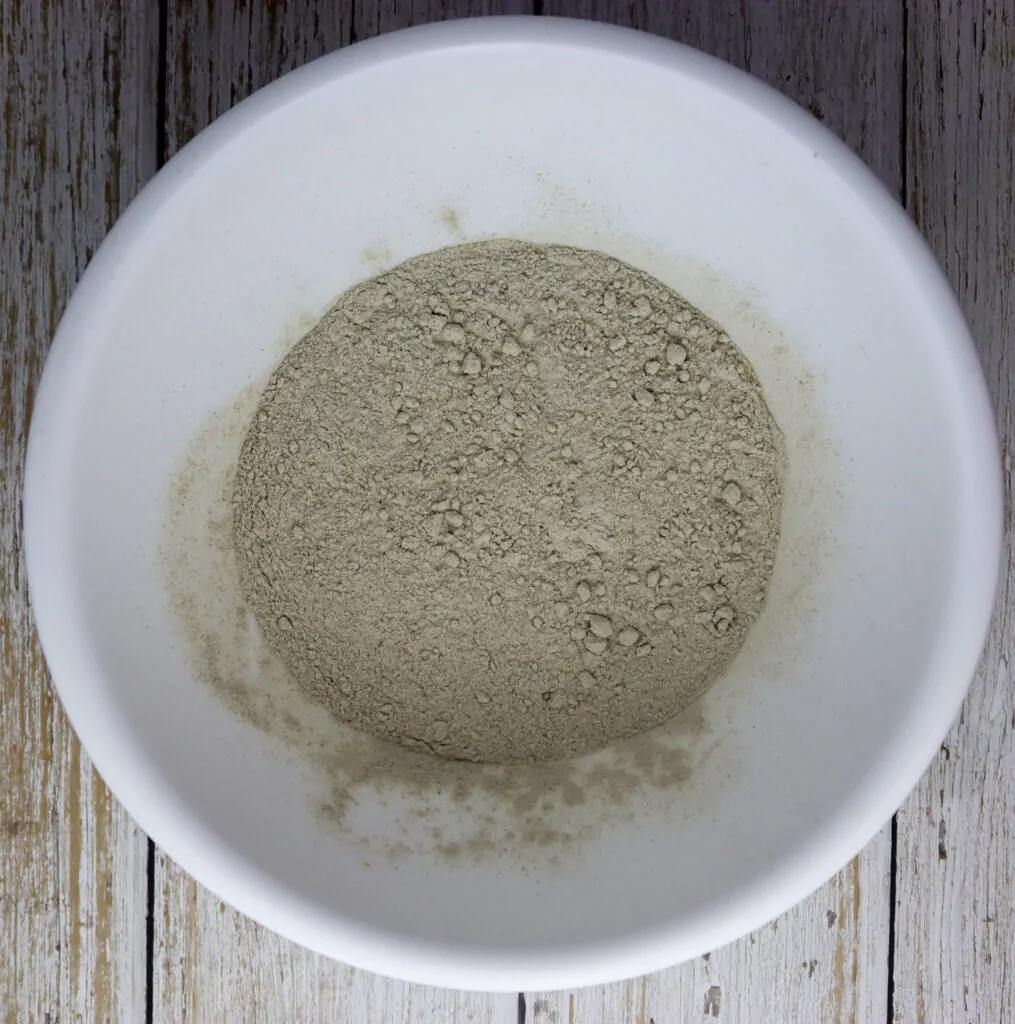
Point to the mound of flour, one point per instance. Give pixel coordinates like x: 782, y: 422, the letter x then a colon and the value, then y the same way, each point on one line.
x: 509, y: 502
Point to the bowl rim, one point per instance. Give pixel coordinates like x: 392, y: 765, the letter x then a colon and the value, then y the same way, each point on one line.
x: 142, y: 791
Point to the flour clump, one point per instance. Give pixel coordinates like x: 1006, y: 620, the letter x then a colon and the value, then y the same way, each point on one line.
x: 509, y: 502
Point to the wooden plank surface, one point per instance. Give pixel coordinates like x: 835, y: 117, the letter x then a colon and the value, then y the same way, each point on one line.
x: 955, y: 934
x: 78, y: 92
x: 81, y: 135
x: 376, y: 16
x: 211, y: 963
x: 827, y: 959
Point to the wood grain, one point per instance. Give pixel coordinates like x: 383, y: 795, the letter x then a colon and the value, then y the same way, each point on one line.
x: 211, y: 963
x: 373, y: 18
x: 955, y: 934
x: 78, y: 90
x: 80, y: 136
x: 827, y: 959
x: 220, y: 52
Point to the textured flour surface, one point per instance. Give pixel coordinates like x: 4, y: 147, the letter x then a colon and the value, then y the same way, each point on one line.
x: 452, y: 809
x: 509, y: 502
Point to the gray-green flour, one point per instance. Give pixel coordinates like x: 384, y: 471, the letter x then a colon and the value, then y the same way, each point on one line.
x: 509, y: 502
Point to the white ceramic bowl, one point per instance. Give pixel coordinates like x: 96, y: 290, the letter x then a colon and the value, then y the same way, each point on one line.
x: 688, y: 169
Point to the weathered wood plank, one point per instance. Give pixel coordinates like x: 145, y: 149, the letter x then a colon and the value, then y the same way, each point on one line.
x: 826, y: 960
x: 210, y: 962
x: 373, y: 18
x: 823, y: 962
x: 79, y: 96
x: 955, y: 914
x: 220, y: 52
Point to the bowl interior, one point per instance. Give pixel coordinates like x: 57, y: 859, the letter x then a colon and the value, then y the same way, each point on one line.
x: 685, y: 169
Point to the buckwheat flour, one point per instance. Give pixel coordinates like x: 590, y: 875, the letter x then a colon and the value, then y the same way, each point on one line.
x: 509, y: 502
